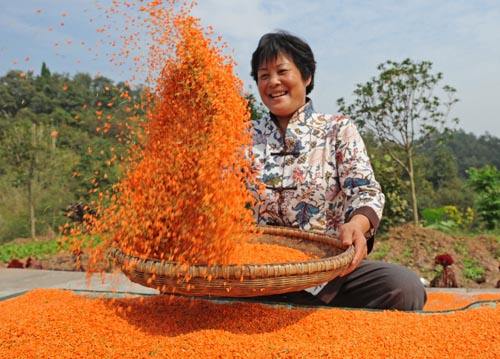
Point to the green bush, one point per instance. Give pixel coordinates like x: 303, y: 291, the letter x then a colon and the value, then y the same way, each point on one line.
x: 448, y: 218
x: 485, y: 182
x: 473, y: 270
x: 433, y: 216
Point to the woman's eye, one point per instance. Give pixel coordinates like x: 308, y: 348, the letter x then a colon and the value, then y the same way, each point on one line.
x: 282, y: 71
x: 263, y: 77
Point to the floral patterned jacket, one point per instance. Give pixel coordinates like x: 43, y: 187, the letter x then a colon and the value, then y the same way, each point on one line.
x: 317, y: 177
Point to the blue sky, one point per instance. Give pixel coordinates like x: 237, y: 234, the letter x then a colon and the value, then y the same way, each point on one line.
x: 349, y: 38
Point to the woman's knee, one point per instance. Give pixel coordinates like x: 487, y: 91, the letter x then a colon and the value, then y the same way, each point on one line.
x: 404, y: 288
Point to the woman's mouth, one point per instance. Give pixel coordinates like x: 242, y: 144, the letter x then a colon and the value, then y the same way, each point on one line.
x: 278, y: 94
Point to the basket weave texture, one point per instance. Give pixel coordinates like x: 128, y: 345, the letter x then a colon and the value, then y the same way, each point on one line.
x: 246, y: 280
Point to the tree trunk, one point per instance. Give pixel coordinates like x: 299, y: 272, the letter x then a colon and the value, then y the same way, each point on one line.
x: 32, y: 208
x: 31, y: 176
x: 412, y: 185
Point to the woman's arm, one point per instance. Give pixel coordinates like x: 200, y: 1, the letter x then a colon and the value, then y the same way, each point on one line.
x: 357, y: 181
x: 364, y: 198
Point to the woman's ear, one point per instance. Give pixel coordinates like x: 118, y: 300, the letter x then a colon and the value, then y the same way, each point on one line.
x: 308, y: 81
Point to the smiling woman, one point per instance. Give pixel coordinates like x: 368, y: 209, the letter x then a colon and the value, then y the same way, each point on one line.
x: 282, y: 84
x: 318, y: 177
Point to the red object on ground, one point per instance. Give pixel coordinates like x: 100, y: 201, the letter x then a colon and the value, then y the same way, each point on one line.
x: 15, y: 263
x: 444, y: 260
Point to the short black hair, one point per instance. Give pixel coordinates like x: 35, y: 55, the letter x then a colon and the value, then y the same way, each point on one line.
x: 272, y: 44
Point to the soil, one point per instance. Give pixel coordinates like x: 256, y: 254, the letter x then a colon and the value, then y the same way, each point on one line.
x: 413, y: 247
x: 417, y: 248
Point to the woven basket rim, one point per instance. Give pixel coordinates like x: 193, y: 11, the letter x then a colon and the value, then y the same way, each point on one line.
x: 246, y: 270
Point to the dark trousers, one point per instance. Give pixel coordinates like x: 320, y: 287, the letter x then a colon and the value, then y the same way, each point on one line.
x: 373, y: 285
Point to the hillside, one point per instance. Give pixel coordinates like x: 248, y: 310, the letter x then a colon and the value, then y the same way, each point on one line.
x: 416, y: 247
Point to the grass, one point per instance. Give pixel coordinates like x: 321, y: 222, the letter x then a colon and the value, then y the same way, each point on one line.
x: 457, y: 232
x: 451, y: 228
x: 381, y: 251
x: 39, y: 249
x: 460, y: 247
x: 430, y: 273
x: 407, y: 253
x: 35, y: 249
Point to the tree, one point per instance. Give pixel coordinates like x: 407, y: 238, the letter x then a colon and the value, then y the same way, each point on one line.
x: 486, y: 183
x: 400, y: 106
x: 45, y: 72
x: 472, y: 151
x: 392, y: 181
x: 25, y: 150
x: 51, y: 152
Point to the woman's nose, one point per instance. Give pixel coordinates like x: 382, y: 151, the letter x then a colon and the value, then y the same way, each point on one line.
x: 274, y: 80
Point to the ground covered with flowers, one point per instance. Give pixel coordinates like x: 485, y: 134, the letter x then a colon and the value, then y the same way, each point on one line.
x: 55, y: 323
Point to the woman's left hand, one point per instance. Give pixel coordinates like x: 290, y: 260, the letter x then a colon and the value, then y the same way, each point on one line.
x: 353, y: 233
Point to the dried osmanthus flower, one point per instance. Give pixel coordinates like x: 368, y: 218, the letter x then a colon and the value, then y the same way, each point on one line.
x: 185, y: 198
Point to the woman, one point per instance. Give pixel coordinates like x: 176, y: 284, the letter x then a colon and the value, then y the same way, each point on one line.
x: 318, y: 177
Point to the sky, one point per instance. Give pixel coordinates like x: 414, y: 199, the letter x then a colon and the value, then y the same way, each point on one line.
x: 349, y: 39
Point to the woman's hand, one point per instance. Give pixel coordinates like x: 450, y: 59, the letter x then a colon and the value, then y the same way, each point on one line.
x: 353, y: 233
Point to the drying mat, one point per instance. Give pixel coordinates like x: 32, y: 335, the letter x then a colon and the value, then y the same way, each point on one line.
x: 246, y: 280
x: 60, y: 324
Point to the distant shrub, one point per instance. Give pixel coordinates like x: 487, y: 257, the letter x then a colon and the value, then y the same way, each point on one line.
x: 448, y: 217
x: 473, y: 270
x: 433, y: 215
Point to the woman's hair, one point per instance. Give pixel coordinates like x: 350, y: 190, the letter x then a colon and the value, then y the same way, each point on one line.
x: 272, y: 44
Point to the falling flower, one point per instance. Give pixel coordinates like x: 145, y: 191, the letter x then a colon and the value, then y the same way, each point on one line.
x: 184, y: 194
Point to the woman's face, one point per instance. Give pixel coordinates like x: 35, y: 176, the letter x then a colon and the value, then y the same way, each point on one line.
x: 281, y: 86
